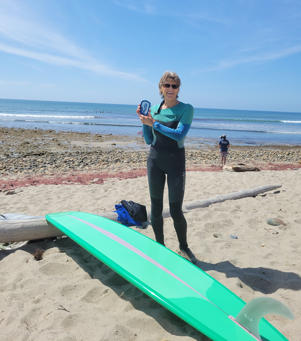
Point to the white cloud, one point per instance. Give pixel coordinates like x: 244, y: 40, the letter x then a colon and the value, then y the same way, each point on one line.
x: 87, y: 64
x: 260, y: 58
x: 149, y: 7
x: 23, y: 35
x: 141, y: 7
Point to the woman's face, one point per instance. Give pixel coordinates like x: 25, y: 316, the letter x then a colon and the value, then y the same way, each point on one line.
x: 170, y: 89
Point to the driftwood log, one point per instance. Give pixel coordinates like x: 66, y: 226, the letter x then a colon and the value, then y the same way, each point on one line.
x: 220, y: 198
x: 31, y: 229
x: 241, y: 168
x: 38, y: 228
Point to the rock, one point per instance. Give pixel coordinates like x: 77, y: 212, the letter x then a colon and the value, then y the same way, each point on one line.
x: 240, y: 167
x: 245, y: 168
x: 38, y: 254
x: 10, y: 192
x: 217, y: 235
x: 275, y: 221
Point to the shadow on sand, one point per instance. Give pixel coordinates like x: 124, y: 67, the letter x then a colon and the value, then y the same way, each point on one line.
x: 264, y: 280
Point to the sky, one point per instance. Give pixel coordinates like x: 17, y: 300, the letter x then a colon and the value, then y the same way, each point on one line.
x: 232, y: 54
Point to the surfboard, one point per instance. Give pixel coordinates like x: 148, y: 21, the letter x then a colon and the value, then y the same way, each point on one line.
x: 172, y: 281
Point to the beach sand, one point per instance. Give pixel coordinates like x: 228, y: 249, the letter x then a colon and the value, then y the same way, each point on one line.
x: 68, y: 295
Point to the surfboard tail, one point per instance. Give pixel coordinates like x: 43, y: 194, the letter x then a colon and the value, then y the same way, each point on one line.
x: 251, y: 314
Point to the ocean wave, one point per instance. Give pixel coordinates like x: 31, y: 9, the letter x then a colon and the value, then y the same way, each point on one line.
x: 79, y: 123
x: 293, y: 122
x: 285, y: 132
x: 64, y: 120
x: 3, y: 114
x: 220, y: 119
x: 248, y: 130
x: 228, y: 129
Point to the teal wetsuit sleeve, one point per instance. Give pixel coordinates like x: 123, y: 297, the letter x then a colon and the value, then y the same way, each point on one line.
x: 183, y: 126
x: 147, y: 134
x: 176, y: 134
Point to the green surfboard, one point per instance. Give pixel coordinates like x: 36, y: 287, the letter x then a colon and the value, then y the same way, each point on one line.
x: 174, y: 282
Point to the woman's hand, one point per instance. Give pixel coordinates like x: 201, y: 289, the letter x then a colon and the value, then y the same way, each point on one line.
x: 147, y: 120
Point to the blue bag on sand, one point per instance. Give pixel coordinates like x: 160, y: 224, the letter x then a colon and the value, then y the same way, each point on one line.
x: 124, y: 216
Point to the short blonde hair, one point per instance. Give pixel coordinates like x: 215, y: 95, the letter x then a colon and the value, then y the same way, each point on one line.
x: 169, y: 75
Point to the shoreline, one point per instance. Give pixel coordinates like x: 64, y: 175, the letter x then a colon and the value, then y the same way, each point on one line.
x: 190, y: 142
x: 36, y: 157
x: 33, y: 157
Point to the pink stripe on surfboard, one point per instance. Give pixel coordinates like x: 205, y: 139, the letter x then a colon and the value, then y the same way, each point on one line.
x: 140, y: 253
x: 151, y: 260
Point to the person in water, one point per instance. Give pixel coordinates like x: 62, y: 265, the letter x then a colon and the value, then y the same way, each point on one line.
x: 164, y: 129
x: 224, y: 145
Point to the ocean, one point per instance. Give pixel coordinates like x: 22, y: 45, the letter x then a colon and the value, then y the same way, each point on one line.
x: 242, y: 127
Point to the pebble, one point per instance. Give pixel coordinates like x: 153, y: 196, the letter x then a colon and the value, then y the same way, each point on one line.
x: 42, y: 152
x: 275, y: 222
x: 217, y: 235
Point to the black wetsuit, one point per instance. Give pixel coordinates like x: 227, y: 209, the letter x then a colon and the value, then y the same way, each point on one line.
x: 166, y: 161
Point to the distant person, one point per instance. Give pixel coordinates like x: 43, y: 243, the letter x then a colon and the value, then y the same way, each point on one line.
x: 224, y: 145
x: 164, y: 129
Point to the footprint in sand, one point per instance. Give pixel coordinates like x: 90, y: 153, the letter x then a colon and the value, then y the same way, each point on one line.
x: 119, y: 332
x: 32, y: 317
x: 72, y: 291
x: 72, y: 320
x: 94, y: 295
x: 57, y: 269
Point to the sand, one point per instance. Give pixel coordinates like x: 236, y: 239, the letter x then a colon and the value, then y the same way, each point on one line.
x: 69, y: 295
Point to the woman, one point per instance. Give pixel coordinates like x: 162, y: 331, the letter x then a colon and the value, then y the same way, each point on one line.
x: 165, y: 129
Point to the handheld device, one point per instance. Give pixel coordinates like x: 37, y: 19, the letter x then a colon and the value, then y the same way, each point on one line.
x: 144, y: 107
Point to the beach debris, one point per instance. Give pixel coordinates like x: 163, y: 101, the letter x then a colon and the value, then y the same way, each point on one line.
x: 221, y: 198
x: 233, y: 236
x: 37, y: 227
x: 12, y: 246
x: 241, y: 167
x: 245, y: 168
x: 38, y: 254
x: 239, y: 284
x: 74, y: 178
x: 227, y: 168
x: 217, y: 235
x: 10, y: 192
x: 61, y: 307
x: 18, y: 228
x: 275, y: 222
x: 271, y: 230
